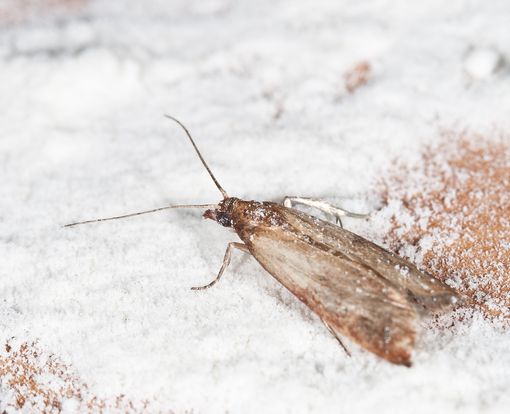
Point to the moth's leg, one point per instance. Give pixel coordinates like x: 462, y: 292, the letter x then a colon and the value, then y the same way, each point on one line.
x: 226, y: 262
x: 337, y: 338
x: 324, y: 206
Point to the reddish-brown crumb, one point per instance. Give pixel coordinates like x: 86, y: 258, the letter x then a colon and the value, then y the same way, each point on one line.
x: 41, y: 383
x: 358, y: 76
x: 455, y: 214
x: 15, y: 11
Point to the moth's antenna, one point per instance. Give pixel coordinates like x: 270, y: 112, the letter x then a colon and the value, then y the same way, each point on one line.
x: 223, y: 192
x: 139, y: 213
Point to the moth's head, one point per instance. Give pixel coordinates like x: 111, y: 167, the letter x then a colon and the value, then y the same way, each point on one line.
x: 223, y: 213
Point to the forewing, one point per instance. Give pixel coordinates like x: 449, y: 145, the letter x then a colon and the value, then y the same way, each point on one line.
x: 351, y: 297
x: 424, y: 289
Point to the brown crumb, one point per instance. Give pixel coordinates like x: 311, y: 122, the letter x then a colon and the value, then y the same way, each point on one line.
x: 455, y: 216
x: 16, y: 11
x: 358, y: 76
x: 41, y: 383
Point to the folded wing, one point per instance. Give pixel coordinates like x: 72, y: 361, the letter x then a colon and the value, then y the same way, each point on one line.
x: 359, y: 289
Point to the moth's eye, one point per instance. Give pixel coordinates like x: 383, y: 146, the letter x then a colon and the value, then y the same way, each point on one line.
x: 224, y: 219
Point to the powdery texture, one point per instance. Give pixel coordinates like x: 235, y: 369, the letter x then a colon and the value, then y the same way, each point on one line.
x: 16, y: 11
x: 41, y: 382
x: 454, y: 216
x: 261, y: 86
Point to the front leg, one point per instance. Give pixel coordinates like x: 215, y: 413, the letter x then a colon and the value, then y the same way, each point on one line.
x: 226, y: 262
x: 323, y: 206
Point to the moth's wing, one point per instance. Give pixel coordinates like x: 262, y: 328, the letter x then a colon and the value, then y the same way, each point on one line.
x: 427, y: 291
x: 351, y: 297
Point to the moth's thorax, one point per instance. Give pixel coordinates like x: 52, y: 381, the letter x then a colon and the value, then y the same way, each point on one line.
x: 244, y: 215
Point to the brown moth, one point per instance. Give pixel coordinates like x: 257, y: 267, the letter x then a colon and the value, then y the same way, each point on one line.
x: 357, y: 288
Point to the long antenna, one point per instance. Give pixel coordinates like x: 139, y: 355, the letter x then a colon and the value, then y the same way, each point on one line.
x: 223, y: 192
x: 139, y: 213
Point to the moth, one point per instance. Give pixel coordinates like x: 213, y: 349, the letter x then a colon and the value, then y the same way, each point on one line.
x: 358, y: 289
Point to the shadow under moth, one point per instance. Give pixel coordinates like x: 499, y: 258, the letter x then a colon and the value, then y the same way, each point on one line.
x: 357, y: 288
